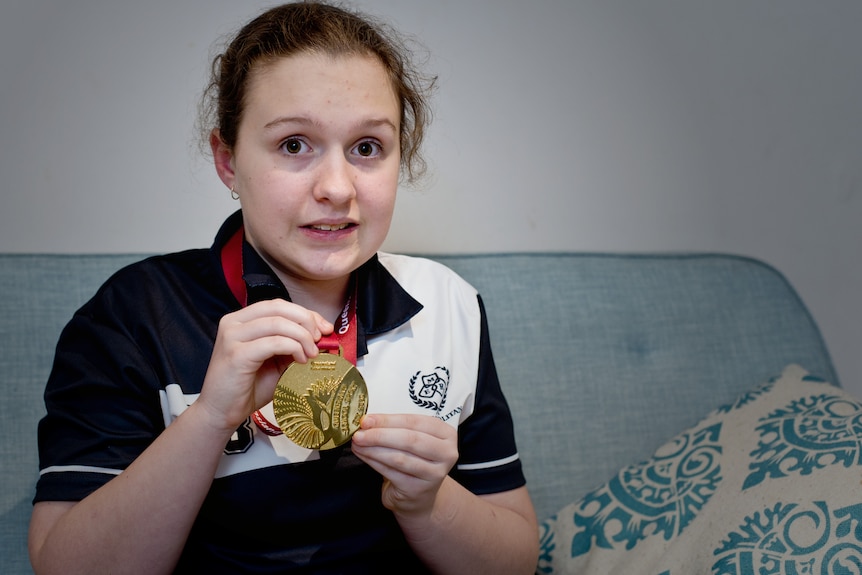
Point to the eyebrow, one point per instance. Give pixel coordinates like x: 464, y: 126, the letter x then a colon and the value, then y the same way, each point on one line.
x: 305, y: 120
x: 289, y: 120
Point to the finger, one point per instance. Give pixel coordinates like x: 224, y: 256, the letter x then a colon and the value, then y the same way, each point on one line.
x: 279, y: 336
x: 279, y: 347
x: 427, y: 424
x: 315, y: 323
x: 395, y: 445
x: 250, y: 346
x: 274, y: 319
x: 399, y: 467
x: 403, y: 491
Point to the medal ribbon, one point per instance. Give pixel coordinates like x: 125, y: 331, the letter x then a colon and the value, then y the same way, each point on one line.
x: 343, y: 337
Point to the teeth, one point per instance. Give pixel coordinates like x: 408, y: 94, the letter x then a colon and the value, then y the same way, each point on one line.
x: 328, y: 228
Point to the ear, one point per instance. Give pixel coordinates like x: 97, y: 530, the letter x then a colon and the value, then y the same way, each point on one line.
x: 223, y: 159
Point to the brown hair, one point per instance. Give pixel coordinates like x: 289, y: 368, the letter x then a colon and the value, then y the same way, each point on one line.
x: 314, y: 27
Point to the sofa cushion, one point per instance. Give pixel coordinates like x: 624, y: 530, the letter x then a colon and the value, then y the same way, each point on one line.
x: 767, y: 484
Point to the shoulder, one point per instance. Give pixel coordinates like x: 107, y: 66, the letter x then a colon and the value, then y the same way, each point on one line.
x: 183, y: 262
x: 184, y: 265
x: 418, y: 275
x: 164, y: 281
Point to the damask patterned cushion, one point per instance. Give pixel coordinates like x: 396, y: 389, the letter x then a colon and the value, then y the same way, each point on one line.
x: 769, y: 484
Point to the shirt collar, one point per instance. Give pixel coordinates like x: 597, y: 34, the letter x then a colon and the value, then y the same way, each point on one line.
x: 382, y: 304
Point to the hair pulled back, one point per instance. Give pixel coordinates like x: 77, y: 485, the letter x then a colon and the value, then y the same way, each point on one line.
x: 315, y: 27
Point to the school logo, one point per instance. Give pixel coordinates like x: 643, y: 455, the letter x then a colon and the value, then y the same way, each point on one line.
x: 428, y: 390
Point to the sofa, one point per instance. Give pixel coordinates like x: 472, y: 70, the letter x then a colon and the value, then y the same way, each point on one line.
x: 604, y: 358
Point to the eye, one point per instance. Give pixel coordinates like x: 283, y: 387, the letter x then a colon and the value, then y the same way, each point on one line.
x: 368, y: 149
x: 294, y: 146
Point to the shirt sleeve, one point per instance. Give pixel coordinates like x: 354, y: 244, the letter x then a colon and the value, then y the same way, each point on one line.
x: 101, y: 400
x: 488, y: 456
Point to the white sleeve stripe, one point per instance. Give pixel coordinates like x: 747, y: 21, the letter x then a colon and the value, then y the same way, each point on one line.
x: 487, y: 464
x: 80, y: 468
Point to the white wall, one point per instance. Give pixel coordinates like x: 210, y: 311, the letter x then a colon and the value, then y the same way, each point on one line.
x: 561, y: 125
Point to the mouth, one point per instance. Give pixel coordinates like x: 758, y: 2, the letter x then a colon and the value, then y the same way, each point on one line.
x: 329, y: 227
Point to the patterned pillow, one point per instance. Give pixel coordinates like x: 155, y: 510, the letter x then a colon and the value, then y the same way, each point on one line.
x: 769, y: 484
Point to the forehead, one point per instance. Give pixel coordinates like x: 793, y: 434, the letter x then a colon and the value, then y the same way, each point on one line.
x: 318, y: 81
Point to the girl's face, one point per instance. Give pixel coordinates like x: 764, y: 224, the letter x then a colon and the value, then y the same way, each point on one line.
x: 316, y: 164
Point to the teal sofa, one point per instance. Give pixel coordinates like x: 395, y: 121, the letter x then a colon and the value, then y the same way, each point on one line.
x: 603, y: 356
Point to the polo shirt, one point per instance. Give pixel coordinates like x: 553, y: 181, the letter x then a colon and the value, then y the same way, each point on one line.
x: 134, y: 357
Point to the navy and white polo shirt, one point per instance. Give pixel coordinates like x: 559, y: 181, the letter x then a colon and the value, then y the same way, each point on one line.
x: 134, y: 357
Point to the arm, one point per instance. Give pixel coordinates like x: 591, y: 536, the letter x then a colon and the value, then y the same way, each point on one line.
x: 139, y: 521
x: 450, y: 528
x: 495, y: 533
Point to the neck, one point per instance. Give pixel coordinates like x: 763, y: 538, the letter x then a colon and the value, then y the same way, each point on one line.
x: 326, y: 297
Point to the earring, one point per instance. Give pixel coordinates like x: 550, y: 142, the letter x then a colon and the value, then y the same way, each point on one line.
x: 233, y: 194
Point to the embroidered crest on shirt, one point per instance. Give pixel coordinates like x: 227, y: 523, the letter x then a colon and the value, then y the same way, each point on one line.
x: 428, y: 390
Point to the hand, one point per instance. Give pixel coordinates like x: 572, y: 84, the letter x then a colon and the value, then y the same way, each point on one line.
x: 413, y: 453
x: 253, y: 346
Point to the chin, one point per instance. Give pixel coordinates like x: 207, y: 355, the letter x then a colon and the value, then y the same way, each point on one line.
x: 332, y: 270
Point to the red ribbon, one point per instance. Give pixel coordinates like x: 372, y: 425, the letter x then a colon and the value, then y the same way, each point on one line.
x: 343, y: 338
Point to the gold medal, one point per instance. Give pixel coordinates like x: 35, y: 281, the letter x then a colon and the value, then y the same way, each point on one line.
x: 318, y: 404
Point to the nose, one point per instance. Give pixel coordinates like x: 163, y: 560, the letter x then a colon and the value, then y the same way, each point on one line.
x: 335, y: 180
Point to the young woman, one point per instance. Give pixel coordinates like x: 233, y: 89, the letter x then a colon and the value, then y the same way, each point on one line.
x: 159, y: 452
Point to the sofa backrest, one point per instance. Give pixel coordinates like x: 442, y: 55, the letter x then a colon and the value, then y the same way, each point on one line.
x: 602, y: 357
